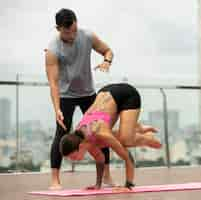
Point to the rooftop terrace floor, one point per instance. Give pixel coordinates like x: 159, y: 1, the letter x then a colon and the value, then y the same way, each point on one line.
x: 16, y: 186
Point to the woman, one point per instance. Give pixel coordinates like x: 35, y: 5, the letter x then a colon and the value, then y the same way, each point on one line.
x: 95, y: 130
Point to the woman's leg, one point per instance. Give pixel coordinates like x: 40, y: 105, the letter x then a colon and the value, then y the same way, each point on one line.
x: 145, y: 136
x: 128, y: 123
x: 133, y: 134
x: 145, y: 139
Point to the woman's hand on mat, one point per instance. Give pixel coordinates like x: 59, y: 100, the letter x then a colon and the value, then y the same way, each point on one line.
x: 60, y: 119
x: 93, y: 187
x: 120, y: 189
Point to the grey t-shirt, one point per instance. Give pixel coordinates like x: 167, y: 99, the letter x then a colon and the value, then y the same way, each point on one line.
x: 75, y: 75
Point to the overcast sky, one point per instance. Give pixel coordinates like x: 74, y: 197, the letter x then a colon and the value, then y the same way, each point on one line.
x: 153, y: 41
x: 149, y: 38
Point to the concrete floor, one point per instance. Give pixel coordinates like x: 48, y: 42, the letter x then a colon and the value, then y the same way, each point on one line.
x: 16, y: 186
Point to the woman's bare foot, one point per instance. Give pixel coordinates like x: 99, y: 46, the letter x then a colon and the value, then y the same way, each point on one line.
x: 151, y: 141
x: 108, y: 182
x: 147, y: 140
x: 143, y: 129
x: 55, y: 187
x: 146, y: 128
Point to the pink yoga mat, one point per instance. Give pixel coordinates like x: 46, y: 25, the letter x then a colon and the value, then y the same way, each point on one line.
x: 137, y: 189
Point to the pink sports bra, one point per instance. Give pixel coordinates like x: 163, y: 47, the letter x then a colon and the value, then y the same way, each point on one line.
x: 90, y: 117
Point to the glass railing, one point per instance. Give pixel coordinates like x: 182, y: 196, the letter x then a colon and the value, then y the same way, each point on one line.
x: 27, y: 126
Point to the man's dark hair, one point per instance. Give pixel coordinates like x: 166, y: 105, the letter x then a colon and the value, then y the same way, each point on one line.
x: 65, y: 18
x: 70, y: 142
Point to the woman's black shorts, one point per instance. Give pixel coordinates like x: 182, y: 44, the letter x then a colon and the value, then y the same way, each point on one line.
x: 125, y: 96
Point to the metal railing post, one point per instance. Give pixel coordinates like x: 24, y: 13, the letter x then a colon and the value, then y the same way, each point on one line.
x: 17, y: 124
x: 165, y: 119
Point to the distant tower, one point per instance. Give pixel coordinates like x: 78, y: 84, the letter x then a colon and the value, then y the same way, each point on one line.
x: 5, y: 117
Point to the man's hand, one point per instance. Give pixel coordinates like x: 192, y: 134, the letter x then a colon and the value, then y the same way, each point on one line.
x: 60, y: 119
x: 104, y: 67
x: 103, y: 49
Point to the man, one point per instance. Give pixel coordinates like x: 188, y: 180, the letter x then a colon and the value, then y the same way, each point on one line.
x: 69, y: 74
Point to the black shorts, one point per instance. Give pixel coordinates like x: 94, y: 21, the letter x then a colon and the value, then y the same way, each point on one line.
x: 125, y: 96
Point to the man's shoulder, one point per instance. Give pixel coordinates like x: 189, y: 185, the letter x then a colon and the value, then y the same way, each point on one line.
x: 54, y: 45
x: 85, y: 32
x: 54, y: 40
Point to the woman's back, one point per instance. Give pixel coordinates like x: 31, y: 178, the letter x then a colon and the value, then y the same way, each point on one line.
x: 105, y: 103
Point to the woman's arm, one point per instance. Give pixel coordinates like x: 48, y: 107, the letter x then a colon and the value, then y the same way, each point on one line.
x: 108, y: 138
x: 123, y: 153
x: 100, y: 160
